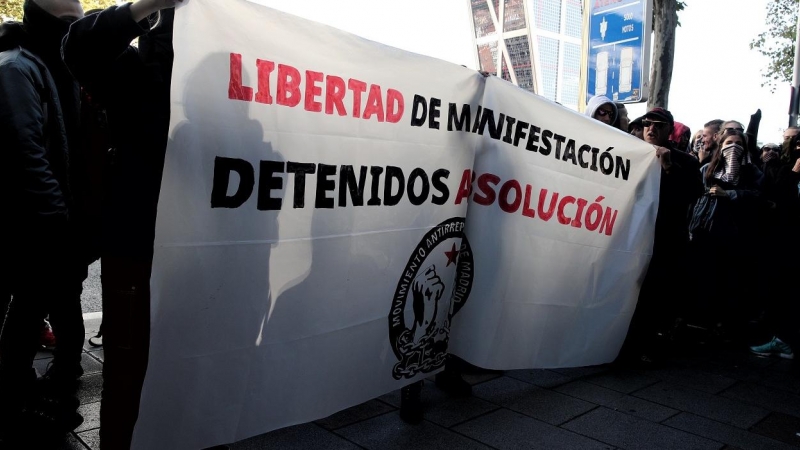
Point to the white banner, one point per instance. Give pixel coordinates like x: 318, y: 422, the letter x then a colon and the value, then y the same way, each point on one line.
x: 310, y: 232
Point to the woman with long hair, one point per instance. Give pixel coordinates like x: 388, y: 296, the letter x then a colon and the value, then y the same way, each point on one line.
x: 722, y: 222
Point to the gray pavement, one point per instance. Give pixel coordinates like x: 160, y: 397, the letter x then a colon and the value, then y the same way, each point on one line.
x: 706, y: 398
x: 91, y: 298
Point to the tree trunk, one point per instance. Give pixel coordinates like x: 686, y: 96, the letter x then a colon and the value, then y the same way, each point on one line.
x: 665, y: 16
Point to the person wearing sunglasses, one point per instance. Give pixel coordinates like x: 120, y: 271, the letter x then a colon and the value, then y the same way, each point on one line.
x: 603, y: 109
x: 667, y: 275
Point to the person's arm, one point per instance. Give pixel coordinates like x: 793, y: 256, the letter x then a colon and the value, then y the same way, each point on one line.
x: 752, y: 136
x: 98, y: 41
x: 22, y: 122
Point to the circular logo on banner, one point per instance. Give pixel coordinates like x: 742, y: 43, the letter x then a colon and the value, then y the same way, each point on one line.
x: 433, y: 287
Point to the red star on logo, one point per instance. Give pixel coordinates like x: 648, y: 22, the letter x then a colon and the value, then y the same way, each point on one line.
x: 452, y: 255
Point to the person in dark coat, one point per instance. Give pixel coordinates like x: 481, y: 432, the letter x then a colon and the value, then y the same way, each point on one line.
x: 40, y: 188
x: 782, y: 186
x: 133, y: 86
x: 681, y: 185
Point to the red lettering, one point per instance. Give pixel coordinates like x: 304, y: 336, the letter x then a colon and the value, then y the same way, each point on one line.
x: 374, y: 103
x: 465, y: 187
x: 358, y: 87
x: 313, y: 91
x: 546, y: 214
x: 484, y: 185
x: 394, y: 98
x: 334, y: 95
x: 527, y: 211
x: 562, y: 217
x: 265, y: 68
x: 508, y: 186
x: 236, y: 90
x: 288, y: 86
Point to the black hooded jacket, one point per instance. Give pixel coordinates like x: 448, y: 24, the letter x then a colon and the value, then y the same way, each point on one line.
x: 35, y: 122
x: 132, y: 84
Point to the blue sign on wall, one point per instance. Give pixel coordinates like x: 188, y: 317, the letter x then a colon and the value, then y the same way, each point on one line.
x: 619, y: 49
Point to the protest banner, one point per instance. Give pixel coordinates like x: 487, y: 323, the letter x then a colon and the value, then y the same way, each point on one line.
x: 310, y: 248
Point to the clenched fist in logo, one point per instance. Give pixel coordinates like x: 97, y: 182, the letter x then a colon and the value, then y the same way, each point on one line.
x: 427, y: 290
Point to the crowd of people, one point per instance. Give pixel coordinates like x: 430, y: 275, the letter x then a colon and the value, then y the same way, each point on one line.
x: 84, y: 116
x: 81, y: 174
x: 723, y: 230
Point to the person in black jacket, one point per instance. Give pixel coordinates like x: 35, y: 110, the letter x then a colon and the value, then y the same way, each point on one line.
x: 133, y: 86
x: 681, y: 185
x: 39, y: 106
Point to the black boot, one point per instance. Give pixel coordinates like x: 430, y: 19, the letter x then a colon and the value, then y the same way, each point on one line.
x: 451, y: 382
x: 410, y: 404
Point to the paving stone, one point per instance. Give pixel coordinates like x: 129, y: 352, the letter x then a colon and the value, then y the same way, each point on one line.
x: 97, y: 354
x: 580, y: 372
x: 533, y: 401
x: 540, y: 377
x: 642, y: 408
x: 89, y: 364
x: 769, y: 398
x: 702, y: 404
x: 388, y: 432
x: 781, y: 427
x: 480, y: 377
x: 504, y: 429
x: 629, y: 432
x: 723, y: 433
x: 782, y: 380
x: 90, y: 388
x: 735, y: 371
x: 91, y: 416
x: 590, y: 392
x: 298, y: 437
x: 443, y: 409
x: 355, y: 414
x: 706, y: 382
x: 91, y: 438
x: 625, y: 381
x: 71, y: 442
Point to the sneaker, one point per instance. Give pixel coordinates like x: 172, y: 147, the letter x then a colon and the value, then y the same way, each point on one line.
x: 774, y: 347
x: 46, y: 338
x: 410, y: 404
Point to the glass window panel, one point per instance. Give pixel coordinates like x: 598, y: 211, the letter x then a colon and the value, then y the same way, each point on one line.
x: 548, y: 58
x: 483, y: 20
x: 520, y: 55
x: 487, y: 55
x: 547, y: 14
x: 514, y: 15
x: 574, y: 20
x: 570, y: 80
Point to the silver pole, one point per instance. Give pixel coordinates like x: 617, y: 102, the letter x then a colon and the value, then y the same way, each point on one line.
x: 796, y: 82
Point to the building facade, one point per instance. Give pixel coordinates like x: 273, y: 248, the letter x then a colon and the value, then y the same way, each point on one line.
x: 535, y: 44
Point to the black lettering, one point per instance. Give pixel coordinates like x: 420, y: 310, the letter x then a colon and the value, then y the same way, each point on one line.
x: 418, y: 174
x: 440, y: 186
x: 459, y: 122
x: 347, y: 182
x: 267, y: 181
x: 433, y: 117
x: 222, y: 173
x: 374, y: 199
x: 300, y: 170
x: 324, y: 185
x: 393, y: 173
x: 419, y: 101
